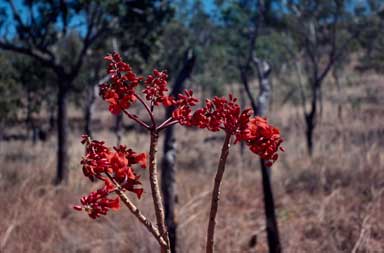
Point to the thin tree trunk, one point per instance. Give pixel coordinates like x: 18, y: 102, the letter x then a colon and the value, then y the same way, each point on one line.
x: 244, y: 79
x: 117, y: 128
x: 269, y: 211
x: 264, y: 97
x: 88, y: 109
x: 168, y: 172
x: 263, y: 100
x: 310, y: 118
x: 30, y: 125
x: 62, y: 125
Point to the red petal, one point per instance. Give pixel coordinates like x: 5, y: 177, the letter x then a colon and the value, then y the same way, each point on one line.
x: 78, y: 208
x: 142, y: 160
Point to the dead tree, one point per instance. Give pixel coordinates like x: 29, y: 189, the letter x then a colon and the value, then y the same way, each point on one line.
x: 168, y: 171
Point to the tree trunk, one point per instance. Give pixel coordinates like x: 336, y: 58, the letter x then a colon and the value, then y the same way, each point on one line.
x: 30, y: 126
x: 309, y: 133
x: 62, y: 138
x: 244, y: 79
x: 264, y: 70
x: 117, y: 128
x: 269, y: 210
x: 168, y: 172
x: 88, y: 109
x: 310, y: 118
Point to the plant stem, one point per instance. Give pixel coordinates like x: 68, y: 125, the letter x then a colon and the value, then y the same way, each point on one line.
x: 157, y: 200
x: 167, y: 124
x: 216, y: 194
x: 164, y: 123
x: 135, y: 118
x: 147, y: 223
x: 149, y: 110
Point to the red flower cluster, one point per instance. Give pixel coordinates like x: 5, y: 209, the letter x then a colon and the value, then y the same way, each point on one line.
x: 225, y: 114
x: 220, y: 113
x: 119, y: 92
x: 155, y: 88
x: 183, y: 110
x: 97, y: 203
x: 263, y: 139
x: 99, y: 160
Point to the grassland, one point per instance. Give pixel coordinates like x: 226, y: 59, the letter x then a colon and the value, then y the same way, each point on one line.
x: 332, y: 202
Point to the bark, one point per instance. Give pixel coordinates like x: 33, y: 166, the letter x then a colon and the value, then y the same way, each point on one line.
x: 263, y: 99
x: 117, y: 128
x: 216, y: 194
x: 263, y: 72
x: 269, y: 210
x: 310, y: 117
x: 244, y: 79
x: 168, y: 172
x: 88, y: 109
x: 62, y: 125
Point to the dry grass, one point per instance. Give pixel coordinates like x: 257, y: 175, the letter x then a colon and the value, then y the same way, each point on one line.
x: 330, y: 203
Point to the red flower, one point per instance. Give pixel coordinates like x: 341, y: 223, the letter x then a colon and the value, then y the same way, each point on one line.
x: 99, y: 160
x: 262, y: 139
x: 119, y: 91
x: 97, y: 203
x: 156, y: 87
x: 95, y: 161
x: 183, y: 110
x: 221, y: 113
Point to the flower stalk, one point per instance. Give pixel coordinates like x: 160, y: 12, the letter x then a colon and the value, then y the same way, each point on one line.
x: 156, y: 195
x: 138, y: 214
x: 216, y: 194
